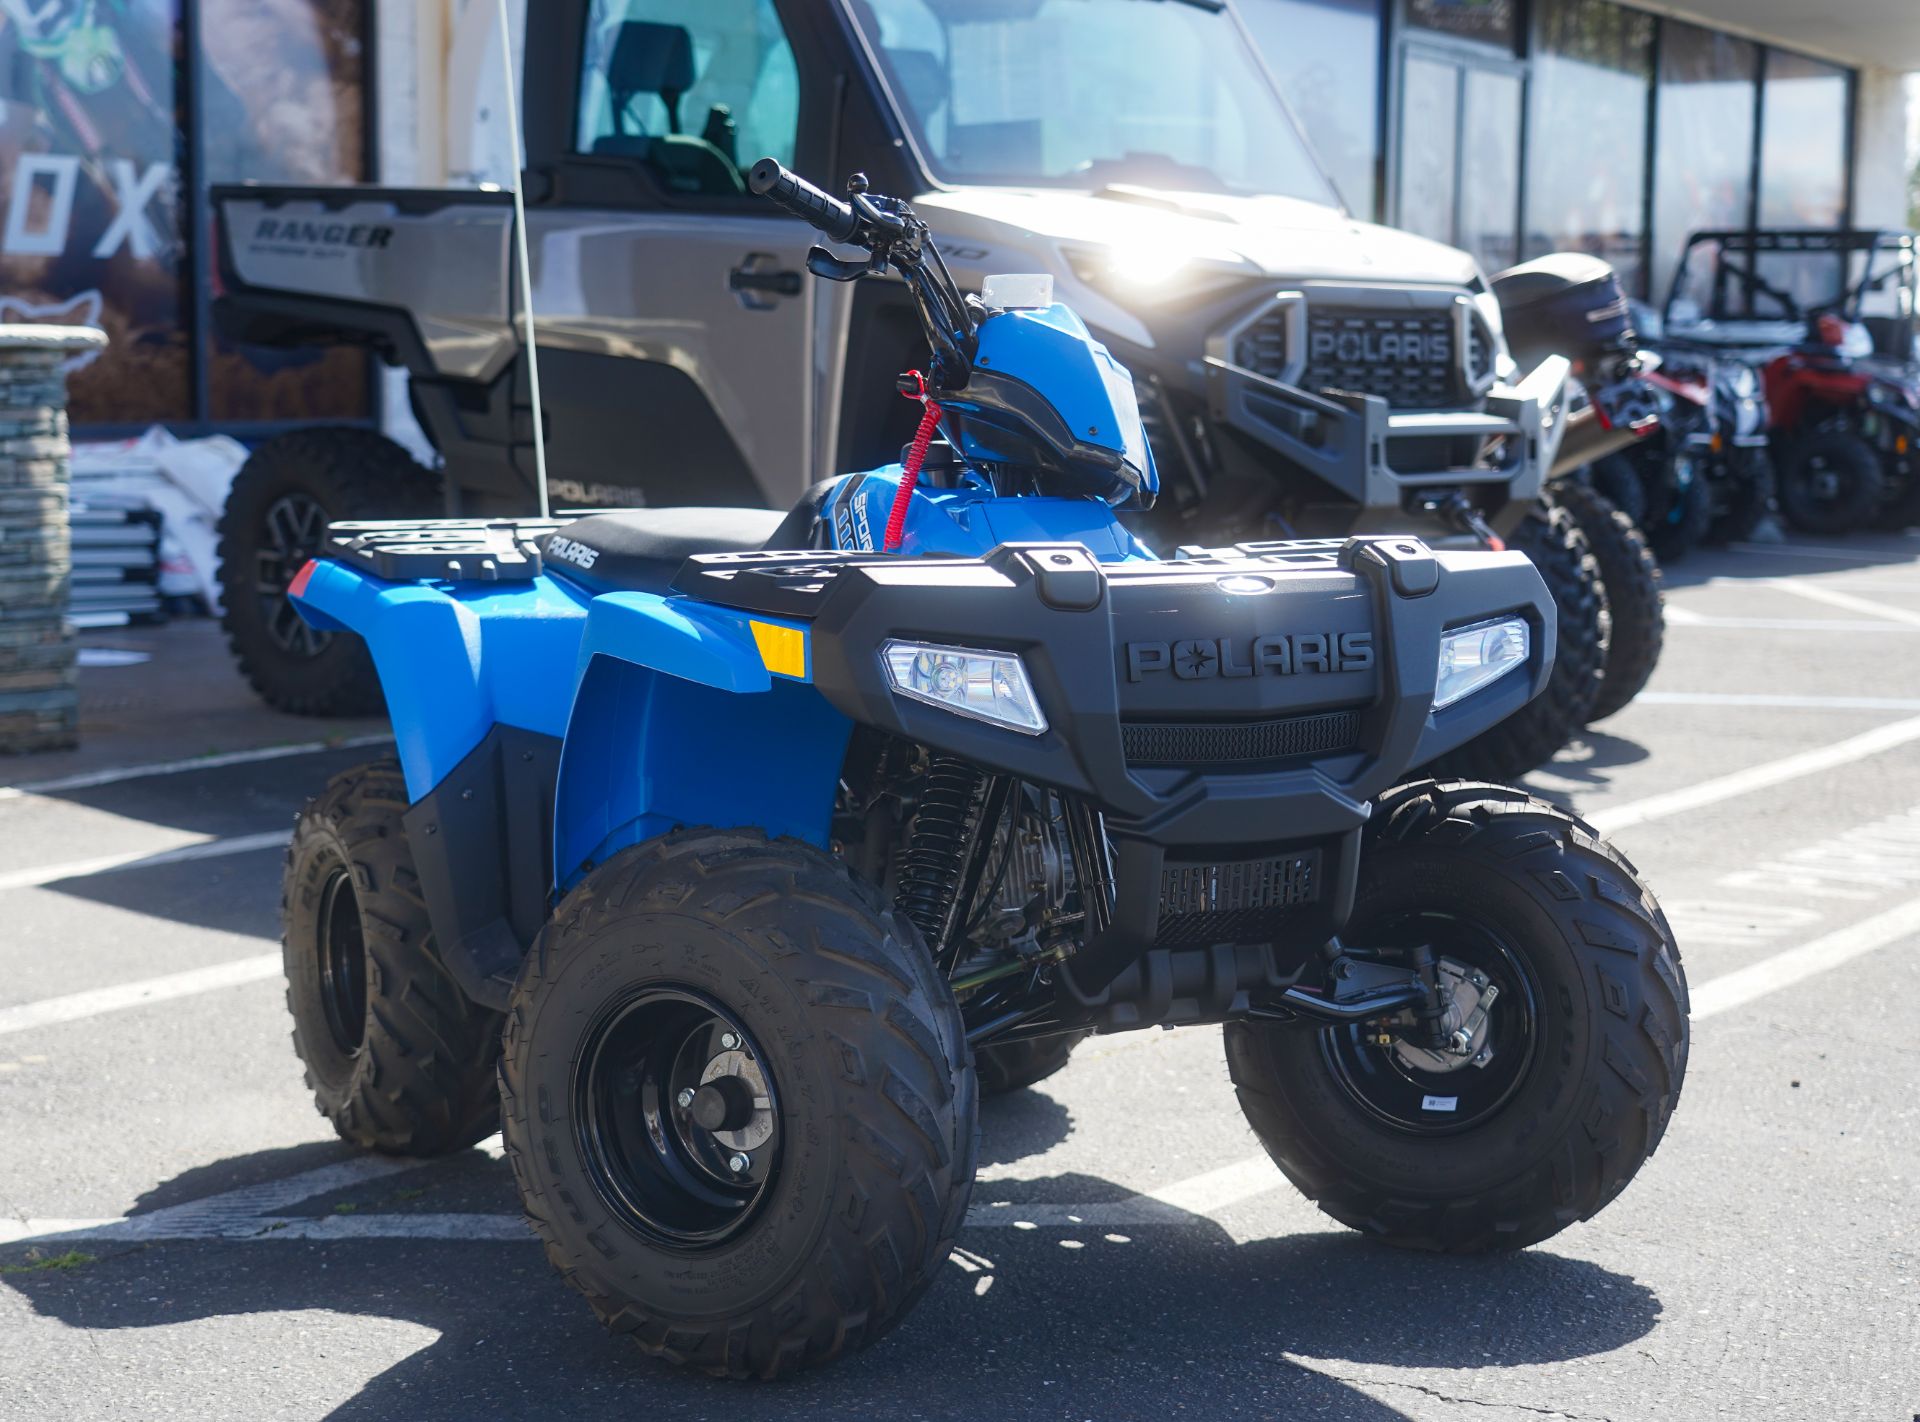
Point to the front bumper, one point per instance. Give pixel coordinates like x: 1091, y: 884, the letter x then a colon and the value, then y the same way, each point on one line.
x: 1168, y: 709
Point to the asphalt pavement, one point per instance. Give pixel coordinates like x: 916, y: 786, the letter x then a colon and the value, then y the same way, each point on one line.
x: 181, y: 1236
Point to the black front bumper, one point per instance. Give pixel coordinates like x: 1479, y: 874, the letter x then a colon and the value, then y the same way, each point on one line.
x: 1229, y: 716
x: 1297, y: 676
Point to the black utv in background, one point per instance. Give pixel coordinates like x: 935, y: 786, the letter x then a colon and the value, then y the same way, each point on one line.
x: 1299, y: 371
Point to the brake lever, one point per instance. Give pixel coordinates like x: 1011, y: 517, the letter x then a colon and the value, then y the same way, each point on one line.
x: 823, y: 263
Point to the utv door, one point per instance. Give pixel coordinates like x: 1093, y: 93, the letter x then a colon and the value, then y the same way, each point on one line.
x: 674, y: 310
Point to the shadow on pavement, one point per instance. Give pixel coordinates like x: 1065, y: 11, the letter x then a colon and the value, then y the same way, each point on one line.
x: 1119, y: 1322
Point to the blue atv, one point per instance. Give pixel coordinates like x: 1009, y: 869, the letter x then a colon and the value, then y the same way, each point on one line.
x: 750, y: 849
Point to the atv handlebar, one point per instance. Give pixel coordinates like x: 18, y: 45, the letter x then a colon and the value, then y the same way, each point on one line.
x: 770, y: 179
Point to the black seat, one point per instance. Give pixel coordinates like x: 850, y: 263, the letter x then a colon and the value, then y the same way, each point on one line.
x: 641, y: 549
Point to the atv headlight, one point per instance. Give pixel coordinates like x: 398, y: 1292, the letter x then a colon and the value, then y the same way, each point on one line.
x: 1477, y: 656
x: 988, y: 686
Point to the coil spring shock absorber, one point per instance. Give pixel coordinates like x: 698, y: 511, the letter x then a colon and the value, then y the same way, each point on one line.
x: 935, y: 861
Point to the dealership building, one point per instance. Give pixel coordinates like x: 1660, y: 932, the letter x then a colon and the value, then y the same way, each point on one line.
x: 1505, y: 127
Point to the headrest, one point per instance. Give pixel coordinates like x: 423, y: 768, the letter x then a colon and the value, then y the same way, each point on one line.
x: 651, y: 59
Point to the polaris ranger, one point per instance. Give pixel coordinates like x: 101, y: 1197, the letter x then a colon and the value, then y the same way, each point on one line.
x: 1299, y: 371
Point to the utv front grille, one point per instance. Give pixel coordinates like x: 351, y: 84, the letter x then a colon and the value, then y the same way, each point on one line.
x: 1238, y: 745
x: 1247, y: 902
x: 1406, y: 359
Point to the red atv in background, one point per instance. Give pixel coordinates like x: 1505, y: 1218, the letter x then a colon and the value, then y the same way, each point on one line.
x: 1829, y: 316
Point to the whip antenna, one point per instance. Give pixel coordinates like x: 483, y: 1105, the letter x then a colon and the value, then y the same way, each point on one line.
x: 520, y: 251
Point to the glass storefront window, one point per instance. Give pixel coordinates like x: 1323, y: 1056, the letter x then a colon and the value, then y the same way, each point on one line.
x: 1490, y: 167
x: 1325, y: 54
x: 1803, y: 143
x: 282, y: 104
x: 1586, y: 160
x: 90, y: 183
x: 1703, y: 169
x: 1429, y: 133
x: 1803, y: 165
x: 1491, y: 21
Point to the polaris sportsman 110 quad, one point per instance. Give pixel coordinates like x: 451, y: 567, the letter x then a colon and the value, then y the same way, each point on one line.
x: 753, y: 848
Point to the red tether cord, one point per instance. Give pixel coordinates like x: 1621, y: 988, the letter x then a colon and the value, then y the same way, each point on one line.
x: 910, y: 468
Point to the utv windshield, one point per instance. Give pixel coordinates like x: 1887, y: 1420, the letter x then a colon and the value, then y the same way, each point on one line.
x: 1087, y: 94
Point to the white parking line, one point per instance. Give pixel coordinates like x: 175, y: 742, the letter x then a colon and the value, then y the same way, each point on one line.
x: 1771, y: 700
x: 87, y: 780
x: 1846, y: 602
x: 1683, y: 617
x: 206, y: 847
x: 45, y: 1013
x: 1784, y: 969
x: 1757, y: 777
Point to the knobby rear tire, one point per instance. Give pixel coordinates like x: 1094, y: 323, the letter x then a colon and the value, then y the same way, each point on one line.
x: 421, y: 1080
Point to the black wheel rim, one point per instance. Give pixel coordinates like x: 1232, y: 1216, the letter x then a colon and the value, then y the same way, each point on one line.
x: 342, y: 963
x: 1404, y: 1098
x: 291, y: 532
x: 656, y: 1071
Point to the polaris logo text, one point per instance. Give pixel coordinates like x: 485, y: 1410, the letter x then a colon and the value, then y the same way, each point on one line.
x: 1379, y: 347
x: 1198, y: 658
x: 567, y: 551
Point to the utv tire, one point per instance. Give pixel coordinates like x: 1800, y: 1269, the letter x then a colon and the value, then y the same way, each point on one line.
x: 276, y: 517
x: 1021, y: 1064
x: 397, y: 1057
x: 1616, y: 478
x: 858, y: 1144
x: 1744, y: 497
x: 1594, y: 1034
x: 1830, y: 482
x: 1631, y: 575
x: 1530, y: 737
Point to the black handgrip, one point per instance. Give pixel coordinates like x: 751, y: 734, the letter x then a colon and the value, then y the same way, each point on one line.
x: 789, y: 190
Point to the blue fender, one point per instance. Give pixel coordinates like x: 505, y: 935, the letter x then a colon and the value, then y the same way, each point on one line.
x: 455, y: 658
x: 689, y: 714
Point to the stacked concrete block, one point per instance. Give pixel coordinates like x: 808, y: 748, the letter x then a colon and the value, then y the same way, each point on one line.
x: 39, y: 706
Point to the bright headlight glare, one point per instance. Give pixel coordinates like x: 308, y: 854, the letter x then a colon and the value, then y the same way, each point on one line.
x: 988, y: 686
x: 1477, y: 656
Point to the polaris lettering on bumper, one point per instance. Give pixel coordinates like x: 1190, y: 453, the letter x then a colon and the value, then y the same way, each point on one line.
x: 1198, y: 658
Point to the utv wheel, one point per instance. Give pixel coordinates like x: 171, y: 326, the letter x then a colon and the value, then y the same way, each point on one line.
x: 1631, y: 576
x: 1528, y: 738
x: 1585, y: 1042
x: 737, y: 1099
x: 1679, y: 509
x: 1617, y: 479
x: 276, y: 518
x: 1743, y: 496
x: 396, y: 1055
x: 1830, y: 482
x: 1021, y: 1064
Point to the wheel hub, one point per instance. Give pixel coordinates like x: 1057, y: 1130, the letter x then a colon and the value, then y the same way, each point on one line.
x: 678, y: 1117
x: 1467, y: 1025
x: 733, y: 1103
x: 291, y: 532
x: 1490, y: 1023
